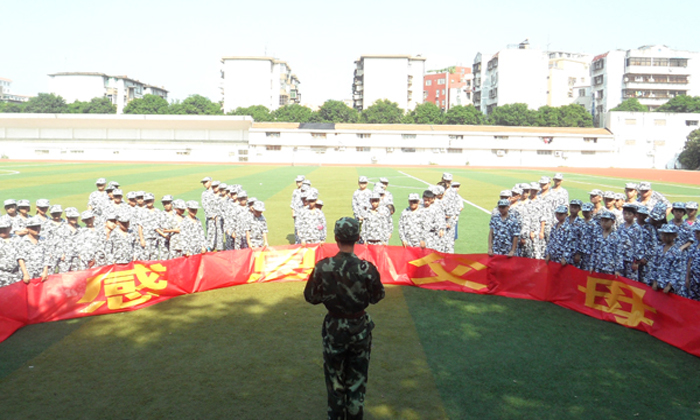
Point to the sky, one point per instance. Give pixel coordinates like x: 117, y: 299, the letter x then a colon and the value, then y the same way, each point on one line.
x: 179, y: 44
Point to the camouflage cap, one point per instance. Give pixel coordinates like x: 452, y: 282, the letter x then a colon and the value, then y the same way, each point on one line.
x: 596, y: 192
x: 347, y: 229
x: 679, y: 205
x: 413, y: 197
x: 619, y: 196
x: 517, y: 191
x: 319, y: 203
x: 631, y: 186
x: 117, y: 192
x: 558, y: 175
x: 607, y: 215
x: 179, y: 204
x: 503, y: 203
x: 587, y: 207
x: 192, y: 205
x: 576, y: 202
x: 10, y: 202
x: 641, y: 209
x: 300, y: 178
x: 149, y: 196
x: 644, y: 186
x: 506, y: 193
x: 87, y: 214
x: 167, y: 197
x: 668, y: 228
x: 561, y: 209
x: 72, y: 212
x: 259, y: 206
x: 5, y: 223
x: 691, y: 205
x: 100, y: 181
x: 23, y: 203
x: 609, y: 195
x: 56, y: 208
x: 33, y: 222
x: 42, y: 202
x: 447, y: 176
x: 633, y: 207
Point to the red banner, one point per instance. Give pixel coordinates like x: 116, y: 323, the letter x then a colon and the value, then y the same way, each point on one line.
x: 137, y: 285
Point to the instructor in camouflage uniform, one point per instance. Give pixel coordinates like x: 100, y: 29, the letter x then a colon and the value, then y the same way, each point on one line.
x: 346, y: 285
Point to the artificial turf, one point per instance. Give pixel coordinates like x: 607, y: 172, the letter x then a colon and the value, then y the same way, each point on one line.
x: 254, y: 351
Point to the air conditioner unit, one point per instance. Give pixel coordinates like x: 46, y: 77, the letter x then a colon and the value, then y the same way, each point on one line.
x: 558, y: 154
x: 500, y: 153
x: 443, y: 150
x: 389, y: 149
x: 341, y: 148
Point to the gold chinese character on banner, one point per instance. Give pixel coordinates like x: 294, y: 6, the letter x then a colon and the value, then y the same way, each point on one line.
x: 625, y: 302
x: 454, y: 276
x: 286, y: 264
x: 121, y: 289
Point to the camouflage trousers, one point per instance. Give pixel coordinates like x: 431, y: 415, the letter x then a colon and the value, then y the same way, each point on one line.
x: 70, y: 264
x: 211, y: 225
x: 346, y: 351
x: 585, y: 263
x: 628, y: 272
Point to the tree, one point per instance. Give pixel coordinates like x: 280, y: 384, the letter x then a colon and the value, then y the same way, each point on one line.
x: 11, y: 107
x: 46, y: 103
x: 425, y: 113
x: 512, y: 115
x: 336, y: 112
x: 630, y: 105
x: 383, y: 111
x: 95, y: 106
x: 260, y: 113
x: 548, y: 116
x: 195, y: 105
x: 293, y: 113
x: 148, y: 104
x: 464, y: 115
x: 690, y: 156
x: 575, y: 115
x: 681, y: 103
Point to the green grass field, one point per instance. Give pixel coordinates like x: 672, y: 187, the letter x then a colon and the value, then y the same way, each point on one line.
x: 254, y: 351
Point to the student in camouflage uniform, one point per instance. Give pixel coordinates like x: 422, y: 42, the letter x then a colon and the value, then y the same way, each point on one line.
x: 243, y: 217
x: 33, y: 253
x: 377, y: 226
x: 360, y: 199
x: 53, y: 240
x: 632, y: 242
x: 504, y: 231
x: 388, y: 196
x: 19, y: 223
x: 596, y: 198
x: 649, y: 197
x: 91, y: 243
x: 312, y: 223
x: 68, y: 242
x: 539, y: 220
x: 296, y: 203
x: 409, y: 224
x: 668, y: 271
x: 151, y: 234
x: 210, y: 211
x: 42, y: 208
x: 256, y: 230
x: 432, y: 223
x: 231, y: 218
x: 9, y: 267
x: 98, y: 200
x: 619, y: 202
x: 560, y: 197
x: 649, y: 239
x: 192, y: 236
x: 609, y: 200
x: 174, y: 228
x: 606, y: 257
x: 559, y: 245
x: 10, y: 210
x: 123, y: 243
x: 575, y: 225
x: 692, y: 208
x: 167, y: 216
x: 631, y: 193
x: 685, y: 237
x: 346, y: 285
x: 588, y: 232
x: 692, y: 277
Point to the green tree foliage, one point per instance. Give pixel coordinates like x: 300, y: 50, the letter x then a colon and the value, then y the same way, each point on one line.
x: 336, y: 112
x: 259, y: 113
x: 690, y: 156
x: 11, y: 107
x: 575, y: 115
x: 464, y: 115
x: 293, y: 113
x: 195, y: 105
x: 148, y: 104
x: 425, y: 113
x: 512, y: 115
x: 548, y: 116
x: 46, y: 103
x: 383, y: 111
x: 95, y: 106
x: 631, y: 105
x: 681, y: 103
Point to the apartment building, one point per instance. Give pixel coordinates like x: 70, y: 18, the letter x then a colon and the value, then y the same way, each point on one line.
x: 517, y: 74
x: 83, y: 86
x: 652, y: 73
x: 398, y: 78
x: 568, y: 79
x: 6, y: 94
x: 448, y: 87
x: 249, y: 81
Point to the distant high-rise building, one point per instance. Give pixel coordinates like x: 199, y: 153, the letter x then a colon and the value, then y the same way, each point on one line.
x: 6, y: 94
x: 517, y: 74
x: 398, y: 78
x: 83, y: 86
x: 652, y: 73
x: 568, y: 79
x: 448, y: 87
x: 249, y: 81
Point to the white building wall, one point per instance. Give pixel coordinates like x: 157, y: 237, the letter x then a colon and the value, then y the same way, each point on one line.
x: 416, y: 73
x: 386, y: 78
x: 520, y: 77
x: 650, y: 139
x: 566, y: 77
x: 77, y: 87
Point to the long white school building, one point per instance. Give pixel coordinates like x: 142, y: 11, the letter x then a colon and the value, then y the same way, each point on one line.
x: 641, y: 140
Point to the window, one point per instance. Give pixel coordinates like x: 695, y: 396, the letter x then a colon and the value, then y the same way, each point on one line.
x: 544, y: 152
x: 639, y: 61
x: 456, y: 136
x: 598, y: 80
x: 77, y: 151
x: 443, y: 102
x: 243, y: 158
x: 597, y: 65
x: 454, y: 151
x: 273, y: 147
x: 272, y: 134
x: 630, y: 122
x: 599, y: 94
x: 408, y: 136
x: 691, y: 122
x: 318, y: 149
x: 362, y: 149
x: 363, y: 135
x: 428, y: 82
x: 318, y: 135
x: 588, y: 152
x: 581, y: 92
x: 408, y: 150
x: 659, y: 122
x: 441, y: 82
x: 183, y: 152
x: 500, y: 137
x: 630, y: 142
x: 660, y: 62
x: 41, y: 152
x: 678, y: 62
x: 243, y: 152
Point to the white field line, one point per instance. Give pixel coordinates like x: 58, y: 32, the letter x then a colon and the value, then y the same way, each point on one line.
x: 466, y: 201
x: 9, y: 172
x: 55, y: 164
